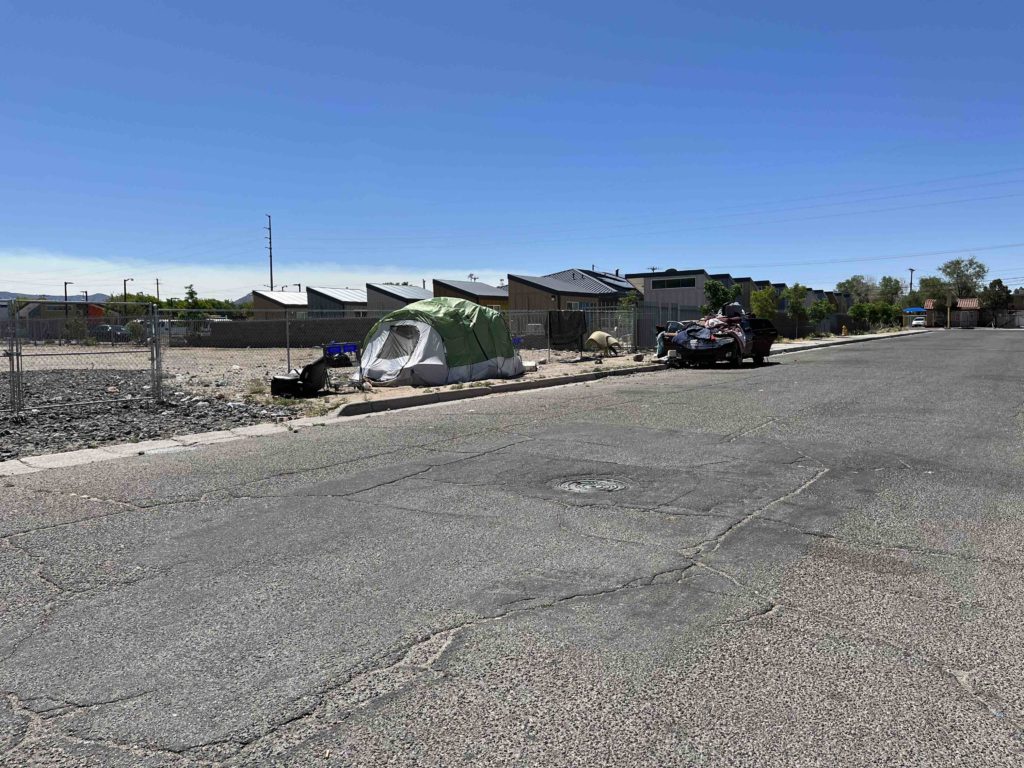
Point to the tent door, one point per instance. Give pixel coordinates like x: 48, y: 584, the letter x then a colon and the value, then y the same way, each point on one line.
x: 400, y: 344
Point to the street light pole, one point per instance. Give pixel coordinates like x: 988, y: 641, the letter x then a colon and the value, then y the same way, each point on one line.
x: 912, y: 271
x: 125, y: 282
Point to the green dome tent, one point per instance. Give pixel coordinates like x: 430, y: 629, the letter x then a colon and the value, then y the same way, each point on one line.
x: 438, y: 341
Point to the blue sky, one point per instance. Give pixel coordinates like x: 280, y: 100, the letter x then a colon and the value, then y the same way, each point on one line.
x: 786, y: 141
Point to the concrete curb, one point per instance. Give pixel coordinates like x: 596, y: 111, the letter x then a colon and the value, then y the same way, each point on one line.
x: 31, y: 464
x: 847, y: 340
x: 452, y: 395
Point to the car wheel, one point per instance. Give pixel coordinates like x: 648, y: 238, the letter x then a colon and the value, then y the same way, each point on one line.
x: 736, y: 358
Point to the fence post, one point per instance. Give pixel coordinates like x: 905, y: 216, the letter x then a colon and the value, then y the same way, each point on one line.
x: 287, y: 339
x: 547, y: 332
x: 155, y: 353
x: 14, y: 345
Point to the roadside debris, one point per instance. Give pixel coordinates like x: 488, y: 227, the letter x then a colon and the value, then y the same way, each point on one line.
x: 731, y: 335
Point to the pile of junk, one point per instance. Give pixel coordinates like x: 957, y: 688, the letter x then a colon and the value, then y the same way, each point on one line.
x: 732, y: 336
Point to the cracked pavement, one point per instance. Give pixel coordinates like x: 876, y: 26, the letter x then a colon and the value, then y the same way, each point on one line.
x: 815, y: 563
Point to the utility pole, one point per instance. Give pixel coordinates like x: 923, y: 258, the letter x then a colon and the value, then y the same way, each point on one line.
x: 125, y: 283
x: 949, y: 307
x: 66, y: 284
x: 86, y: 294
x: 912, y: 271
x: 158, y: 289
x: 270, y: 248
x: 299, y: 286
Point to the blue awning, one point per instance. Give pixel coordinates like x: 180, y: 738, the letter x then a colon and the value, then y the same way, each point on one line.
x: 914, y: 310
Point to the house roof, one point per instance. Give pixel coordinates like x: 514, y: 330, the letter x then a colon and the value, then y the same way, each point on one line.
x: 344, y: 295
x: 971, y: 303
x: 413, y: 292
x: 588, y: 281
x: 284, y: 298
x: 557, y: 286
x: 614, y: 279
x: 743, y: 279
x: 721, y: 276
x: 668, y: 273
x: 476, y: 288
x: 762, y: 283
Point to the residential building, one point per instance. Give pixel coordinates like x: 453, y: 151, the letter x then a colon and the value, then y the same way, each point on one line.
x: 613, y: 281
x: 387, y: 297
x: 779, y: 288
x: 495, y: 297
x: 270, y: 304
x: 568, y: 289
x: 747, y: 287
x: 336, y: 302
x: 671, y: 287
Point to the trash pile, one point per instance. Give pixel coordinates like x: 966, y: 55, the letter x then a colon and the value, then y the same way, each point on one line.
x: 731, y: 322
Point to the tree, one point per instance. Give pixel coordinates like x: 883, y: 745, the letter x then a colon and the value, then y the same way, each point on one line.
x: 883, y: 313
x: 860, y: 287
x: 716, y: 295
x: 820, y: 311
x: 860, y: 311
x: 889, y: 289
x: 795, y: 295
x: 764, y: 302
x: 965, y: 276
x: 996, y: 297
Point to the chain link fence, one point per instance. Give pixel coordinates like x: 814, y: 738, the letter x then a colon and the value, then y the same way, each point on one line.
x: 63, y: 354
x: 67, y: 354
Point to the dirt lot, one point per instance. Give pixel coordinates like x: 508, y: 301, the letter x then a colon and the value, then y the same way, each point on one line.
x: 243, y: 375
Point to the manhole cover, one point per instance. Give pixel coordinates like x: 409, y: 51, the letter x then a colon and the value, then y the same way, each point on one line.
x: 592, y: 485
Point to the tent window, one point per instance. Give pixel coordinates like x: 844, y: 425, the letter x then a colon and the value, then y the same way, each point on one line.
x: 400, y: 343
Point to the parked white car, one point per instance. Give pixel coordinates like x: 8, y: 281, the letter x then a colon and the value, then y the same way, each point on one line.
x: 918, y: 322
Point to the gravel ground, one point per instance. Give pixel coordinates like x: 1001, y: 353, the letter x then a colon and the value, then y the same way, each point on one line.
x: 45, y: 429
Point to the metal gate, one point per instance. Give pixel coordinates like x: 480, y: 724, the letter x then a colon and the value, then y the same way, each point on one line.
x: 71, y: 354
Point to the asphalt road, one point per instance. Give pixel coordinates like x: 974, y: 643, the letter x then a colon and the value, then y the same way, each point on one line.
x: 815, y: 563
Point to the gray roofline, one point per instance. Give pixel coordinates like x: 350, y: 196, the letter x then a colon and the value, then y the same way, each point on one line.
x: 569, y: 290
x: 667, y: 273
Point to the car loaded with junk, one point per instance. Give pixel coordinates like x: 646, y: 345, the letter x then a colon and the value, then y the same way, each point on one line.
x: 732, y: 335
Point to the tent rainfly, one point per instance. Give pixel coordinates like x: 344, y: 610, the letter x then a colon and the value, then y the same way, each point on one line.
x: 438, y: 341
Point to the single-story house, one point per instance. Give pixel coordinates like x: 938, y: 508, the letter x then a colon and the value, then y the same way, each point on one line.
x: 336, y: 302
x: 269, y: 305
x: 495, y: 297
x: 386, y: 296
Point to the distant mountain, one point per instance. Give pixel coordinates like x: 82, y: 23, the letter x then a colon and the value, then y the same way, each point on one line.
x: 247, y: 299
x: 7, y: 296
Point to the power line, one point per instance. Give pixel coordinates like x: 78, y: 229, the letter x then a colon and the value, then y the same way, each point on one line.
x: 674, y: 231
x: 920, y: 255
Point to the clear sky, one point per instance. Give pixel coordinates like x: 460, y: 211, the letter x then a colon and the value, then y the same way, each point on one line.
x: 785, y: 141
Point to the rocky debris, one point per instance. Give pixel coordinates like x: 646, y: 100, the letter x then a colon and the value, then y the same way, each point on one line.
x: 117, y: 409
